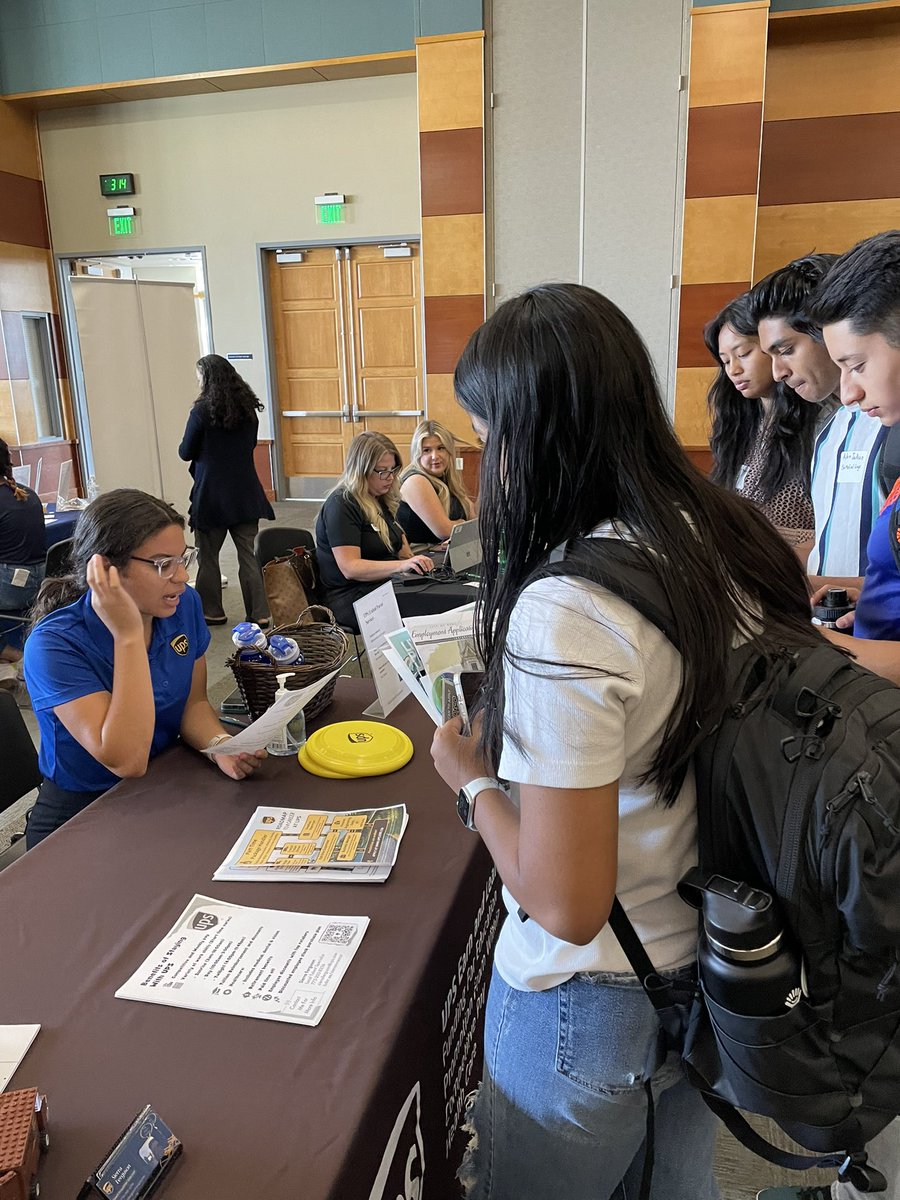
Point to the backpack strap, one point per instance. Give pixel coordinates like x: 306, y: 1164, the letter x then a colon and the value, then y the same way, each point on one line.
x: 663, y: 995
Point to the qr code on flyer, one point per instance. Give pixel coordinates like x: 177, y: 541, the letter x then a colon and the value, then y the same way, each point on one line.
x: 338, y: 934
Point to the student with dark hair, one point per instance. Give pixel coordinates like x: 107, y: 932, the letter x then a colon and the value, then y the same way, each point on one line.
x: 846, y: 491
x: 227, y: 496
x: 857, y: 305
x: 762, y: 435
x: 23, y: 545
x: 115, y: 661
x: 591, y: 716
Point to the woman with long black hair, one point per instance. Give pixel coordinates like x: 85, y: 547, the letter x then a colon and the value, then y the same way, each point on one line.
x: 227, y: 496
x: 591, y: 717
x: 762, y: 432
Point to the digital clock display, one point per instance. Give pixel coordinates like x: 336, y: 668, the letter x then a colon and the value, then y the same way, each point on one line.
x: 120, y: 184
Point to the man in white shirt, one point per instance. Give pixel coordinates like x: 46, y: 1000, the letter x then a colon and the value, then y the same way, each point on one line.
x: 846, y: 491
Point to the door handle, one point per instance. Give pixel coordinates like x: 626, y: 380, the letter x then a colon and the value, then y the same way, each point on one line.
x: 314, y: 412
x: 390, y: 412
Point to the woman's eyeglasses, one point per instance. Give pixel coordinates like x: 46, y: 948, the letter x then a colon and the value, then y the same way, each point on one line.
x: 168, y: 566
x: 388, y: 474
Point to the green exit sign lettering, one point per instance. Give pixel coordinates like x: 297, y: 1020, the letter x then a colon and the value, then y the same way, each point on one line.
x: 119, y: 184
x: 121, y: 226
x: 330, y: 214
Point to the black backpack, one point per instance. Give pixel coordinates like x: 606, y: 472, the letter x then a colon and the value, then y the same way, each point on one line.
x: 798, y: 794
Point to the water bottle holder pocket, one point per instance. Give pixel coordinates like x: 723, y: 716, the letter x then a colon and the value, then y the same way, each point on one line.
x: 779, y: 1066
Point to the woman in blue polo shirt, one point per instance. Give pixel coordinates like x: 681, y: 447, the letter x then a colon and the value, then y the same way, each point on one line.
x: 115, y: 663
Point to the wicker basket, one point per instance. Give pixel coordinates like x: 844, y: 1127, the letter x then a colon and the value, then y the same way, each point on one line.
x: 323, y: 645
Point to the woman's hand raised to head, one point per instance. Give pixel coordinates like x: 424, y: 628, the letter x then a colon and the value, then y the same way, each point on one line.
x: 111, y: 602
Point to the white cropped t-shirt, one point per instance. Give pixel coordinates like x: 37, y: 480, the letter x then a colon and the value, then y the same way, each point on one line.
x: 587, y: 732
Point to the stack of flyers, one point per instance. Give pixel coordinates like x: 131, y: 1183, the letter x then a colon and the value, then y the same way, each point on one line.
x: 431, y: 653
x: 306, y: 845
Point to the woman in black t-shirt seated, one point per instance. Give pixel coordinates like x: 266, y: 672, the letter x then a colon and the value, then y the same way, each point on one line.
x: 432, y: 496
x: 358, y: 540
x: 23, y: 545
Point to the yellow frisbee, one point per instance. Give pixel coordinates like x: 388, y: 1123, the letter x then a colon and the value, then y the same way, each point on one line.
x: 314, y: 769
x: 359, y: 748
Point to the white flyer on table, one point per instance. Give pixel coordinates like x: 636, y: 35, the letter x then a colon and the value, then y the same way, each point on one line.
x: 251, y: 962
x: 377, y: 614
x: 14, y: 1043
x: 269, y: 726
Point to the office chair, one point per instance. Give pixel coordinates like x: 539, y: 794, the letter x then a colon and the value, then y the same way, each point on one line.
x: 20, y: 773
x: 58, y: 559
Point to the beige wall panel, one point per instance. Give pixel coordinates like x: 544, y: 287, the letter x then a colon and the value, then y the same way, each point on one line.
x: 18, y: 142
x: 535, y: 160
x: 691, y: 417
x: 453, y: 255
x: 718, y: 239
x: 7, y: 414
x: 728, y: 57
x: 786, y: 231
x: 25, y: 279
x: 862, y: 73
x: 450, y: 76
x: 290, y: 137
x: 23, y: 402
x: 441, y: 406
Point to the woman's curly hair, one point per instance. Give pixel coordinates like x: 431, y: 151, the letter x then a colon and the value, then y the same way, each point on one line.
x: 227, y: 399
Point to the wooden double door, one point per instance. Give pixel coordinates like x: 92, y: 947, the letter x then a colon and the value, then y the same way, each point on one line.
x: 348, y: 353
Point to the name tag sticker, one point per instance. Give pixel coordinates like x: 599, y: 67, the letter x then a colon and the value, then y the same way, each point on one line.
x: 853, y: 466
x: 20, y: 576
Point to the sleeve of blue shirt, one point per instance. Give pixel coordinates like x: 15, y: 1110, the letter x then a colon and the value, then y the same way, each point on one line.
x: 60, y: 667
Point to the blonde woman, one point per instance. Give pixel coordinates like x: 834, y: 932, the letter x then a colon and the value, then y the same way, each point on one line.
x: 432, y: 496
x: 358, y: 540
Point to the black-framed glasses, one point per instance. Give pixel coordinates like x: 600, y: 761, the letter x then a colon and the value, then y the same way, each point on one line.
x: 168, y: 566
x: 386, y: 474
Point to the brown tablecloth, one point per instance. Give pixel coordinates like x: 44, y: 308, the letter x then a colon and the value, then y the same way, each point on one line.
x: 348, y: 1109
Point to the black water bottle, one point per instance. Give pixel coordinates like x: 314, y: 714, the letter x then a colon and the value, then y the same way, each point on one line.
x: 835, y: 603
x: 745, y: 962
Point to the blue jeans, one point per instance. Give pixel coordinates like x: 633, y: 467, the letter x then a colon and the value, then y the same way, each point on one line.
x: 17, y: 599
x: 562, y: 1110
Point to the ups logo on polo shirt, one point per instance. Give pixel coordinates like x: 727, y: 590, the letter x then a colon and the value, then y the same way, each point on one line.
x: 180, y: 644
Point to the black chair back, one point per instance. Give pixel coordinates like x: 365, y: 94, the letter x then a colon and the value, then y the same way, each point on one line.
x: 58, y: 560
x: 20, y: 772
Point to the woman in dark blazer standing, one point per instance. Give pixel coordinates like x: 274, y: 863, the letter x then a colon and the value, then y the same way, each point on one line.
x: 227, y: 496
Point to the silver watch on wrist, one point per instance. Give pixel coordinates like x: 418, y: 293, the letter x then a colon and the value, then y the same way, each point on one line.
x: 468, y: 794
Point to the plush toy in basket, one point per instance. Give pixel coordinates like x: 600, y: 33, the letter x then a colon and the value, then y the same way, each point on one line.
x: 323, y: 646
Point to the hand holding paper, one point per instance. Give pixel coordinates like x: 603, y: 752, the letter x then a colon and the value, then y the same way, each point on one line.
x: 258, y: 735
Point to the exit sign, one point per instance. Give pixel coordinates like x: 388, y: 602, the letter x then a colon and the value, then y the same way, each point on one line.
x: 121, y: 226
x: 330, y: 214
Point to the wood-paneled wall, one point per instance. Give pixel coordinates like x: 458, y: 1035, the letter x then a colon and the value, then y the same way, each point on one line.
x: 725, y: 111
x: 830, y: 167
x: 26, y: 286
x: 451, y: 157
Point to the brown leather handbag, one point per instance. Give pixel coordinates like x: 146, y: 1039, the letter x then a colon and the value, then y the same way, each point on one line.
x: 291, y: 586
